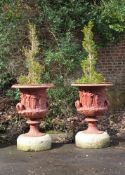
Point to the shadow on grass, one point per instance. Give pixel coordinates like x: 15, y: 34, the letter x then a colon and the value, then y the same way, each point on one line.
x: 117, y: 142
x: 59, y: 145
x: 4, y: 145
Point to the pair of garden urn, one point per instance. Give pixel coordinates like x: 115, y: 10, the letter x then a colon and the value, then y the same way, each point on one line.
x: 34, y: 106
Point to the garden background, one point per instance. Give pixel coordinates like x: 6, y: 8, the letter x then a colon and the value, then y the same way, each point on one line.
x: 59, y: 24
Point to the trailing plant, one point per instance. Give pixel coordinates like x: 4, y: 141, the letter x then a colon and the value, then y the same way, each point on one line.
x: 34, y: 68
x: 13, y: 94
x: 9, y: 18
x: 88, y: 64
x: 6, y: 79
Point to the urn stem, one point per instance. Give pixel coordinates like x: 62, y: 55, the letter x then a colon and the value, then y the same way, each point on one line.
x: 34, y: 128
x: 92, y: 126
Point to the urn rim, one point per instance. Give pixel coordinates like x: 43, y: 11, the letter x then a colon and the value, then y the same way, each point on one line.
x: 33, y: 86
x: 106, y: 84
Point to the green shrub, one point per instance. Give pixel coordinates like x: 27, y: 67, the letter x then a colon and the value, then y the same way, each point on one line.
x: 34, y: 68
x: 88, y: 64
x: 109, y: 19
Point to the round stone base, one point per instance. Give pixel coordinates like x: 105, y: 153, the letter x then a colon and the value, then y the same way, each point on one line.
x: 85, y: 140
x: 41, y: 143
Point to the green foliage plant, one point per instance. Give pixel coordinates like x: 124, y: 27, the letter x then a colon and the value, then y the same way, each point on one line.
x: 35, y: 69
x: 88, y: 64
x: 111, y: 19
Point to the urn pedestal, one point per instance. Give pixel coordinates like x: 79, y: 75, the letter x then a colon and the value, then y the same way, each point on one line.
x: 33, y: 106
x: 92, y: 103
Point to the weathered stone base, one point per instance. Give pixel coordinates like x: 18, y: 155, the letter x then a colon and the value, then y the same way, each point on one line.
x: 85, y: 140
x: 41, y: 143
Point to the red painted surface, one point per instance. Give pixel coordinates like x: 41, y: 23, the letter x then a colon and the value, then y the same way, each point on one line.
x: 92, y: 103
x: 33, y: 105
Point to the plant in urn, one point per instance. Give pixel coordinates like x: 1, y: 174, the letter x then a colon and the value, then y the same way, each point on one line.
x: 33, y: 103
x: 92, y: 101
